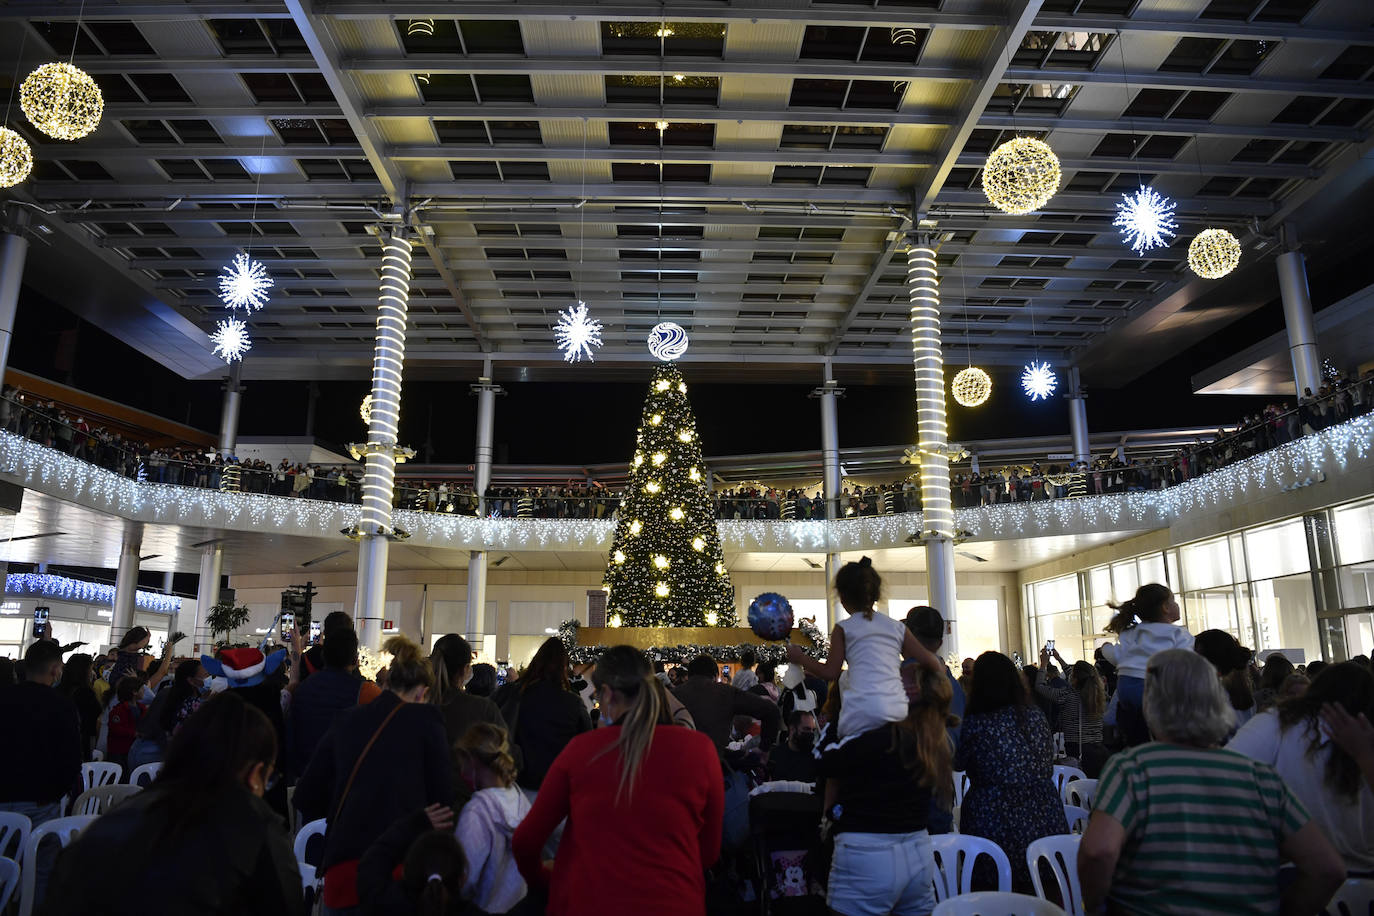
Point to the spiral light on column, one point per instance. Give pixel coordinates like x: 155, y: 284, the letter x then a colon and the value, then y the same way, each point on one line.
x: 388, y: 360
x: 16, y: 159
x: 1021, y: 175
x: 923, y: 287
x: 62, y: 101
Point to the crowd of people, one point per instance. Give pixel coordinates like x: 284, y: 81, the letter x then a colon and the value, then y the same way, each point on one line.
x: 626, y: 785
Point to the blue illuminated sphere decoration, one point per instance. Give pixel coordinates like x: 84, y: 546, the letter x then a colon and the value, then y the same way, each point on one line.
x: 770, y: 616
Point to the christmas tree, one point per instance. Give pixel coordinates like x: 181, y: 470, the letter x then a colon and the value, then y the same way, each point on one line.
x: 666, y: 567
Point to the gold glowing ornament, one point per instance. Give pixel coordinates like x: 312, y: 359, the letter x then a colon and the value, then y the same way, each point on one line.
x: 62, y: 101
x: 1213, y: 254
x: 685, y: 436
x: 639, y: 459
x: 659, y: 458
x: 614, y: 620
x: 618, y: 557
x: 661, y: 385
x: 661, y: 590
x: 711, y: 618
x: 365, y: 410
x: 660, y: 561
x: 636, y: 526
x: 652, y: 486
x: 656, y: 419
x: 720, y: 569
x: 971, y: 387
x: 16, y: 159
x: 1021, y: 176
x: 676, y: 514
x: 694, y: 475
x: 698, y: 544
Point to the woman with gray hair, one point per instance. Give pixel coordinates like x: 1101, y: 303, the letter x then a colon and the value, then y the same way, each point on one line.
x: 1181, y: 826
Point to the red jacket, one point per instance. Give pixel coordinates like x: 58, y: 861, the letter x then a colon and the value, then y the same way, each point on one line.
x: 123, y: 727
x: 645, y: 855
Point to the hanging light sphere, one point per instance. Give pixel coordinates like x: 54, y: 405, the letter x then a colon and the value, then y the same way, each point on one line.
x: 16, y: 160
x: 1021, y: 176
x: 62, y: 101
x: 971, y: 387
x: 1213, y: 254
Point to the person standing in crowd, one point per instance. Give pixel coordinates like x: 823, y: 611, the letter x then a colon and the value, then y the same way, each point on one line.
x: 489, y: 819
x: 76, y: 686
x: 260, y: 681
x: 1322, y: 774
x: 452, y: 664
x: 713, y: 705
x: 43, y: 760
x: 1078, y: 708
x: 131, y: 660
x: 185, y: 694
x: 122, y: 721
x: 643, y: 799
x: 200, y: 835
x: 795, y: 759
x: 483, y: 681
x: 928, y: 626
x: 888, y: 779
x: 319, y: 701
x: 1006, y: 750
x: 379, y: 763
x: 543, y: 712
x: 1232, y: 663
x: 1181, y: 826
x: 874, y: 645
x: 746, y: 677
x: 1146, y: 624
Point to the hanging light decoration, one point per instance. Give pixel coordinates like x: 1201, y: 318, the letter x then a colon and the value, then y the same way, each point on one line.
x: 420, y: 28
x: 576, y: 332
x: 16, y: 159
x: 1038, y: 380
x: 903, y: 35
x: 1021, y: 176
x: 365, y: 409
x: 1213, y: 254
x: 971, y: 387
x: 62, y: 101
x: 1146, y: 219
x: 231, y: 339
x: 244, y: 284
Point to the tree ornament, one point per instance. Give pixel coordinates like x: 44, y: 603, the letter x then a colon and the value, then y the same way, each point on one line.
x: 1213, y: 254
x: 576, y: 333
x: 244, y: 284
x: 62, y: 101
x: 971, y: 387
x: 16, y: 159
x: 1038, y: 381
x: 1021, y: 175
x: 1145, y: 218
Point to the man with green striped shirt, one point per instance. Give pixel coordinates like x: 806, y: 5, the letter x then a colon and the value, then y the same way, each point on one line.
x: 1180, y: 826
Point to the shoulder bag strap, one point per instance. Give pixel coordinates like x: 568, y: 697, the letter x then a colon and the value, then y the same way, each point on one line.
x: 361, y: 757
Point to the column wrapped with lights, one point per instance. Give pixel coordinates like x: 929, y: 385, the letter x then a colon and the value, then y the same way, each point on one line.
x: 932, y: 429
x: 388, y: 360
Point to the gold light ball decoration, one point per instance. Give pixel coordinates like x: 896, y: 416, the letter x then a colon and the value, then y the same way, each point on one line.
x: 971, y: 387
x: 16, y: 159
x: 1021, y: 176
x: 62, y: 101
x: 1213, y: 254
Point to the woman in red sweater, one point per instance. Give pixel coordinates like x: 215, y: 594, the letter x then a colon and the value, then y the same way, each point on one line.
x: 643, y: 798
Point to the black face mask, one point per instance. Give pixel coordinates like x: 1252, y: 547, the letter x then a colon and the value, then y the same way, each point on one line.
x: 805, y: 739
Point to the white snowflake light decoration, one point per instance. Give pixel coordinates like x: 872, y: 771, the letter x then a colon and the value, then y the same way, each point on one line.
x: 576, y: 333
x: 1038, y: 381
x: 1146, y: 219
x: 244, y: 284
x: 231, y: 339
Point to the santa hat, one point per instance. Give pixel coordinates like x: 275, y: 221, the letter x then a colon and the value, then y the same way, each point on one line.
x: 243, y: 667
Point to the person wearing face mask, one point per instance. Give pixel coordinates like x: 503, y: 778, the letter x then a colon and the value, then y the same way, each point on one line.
x: 201, y: 834
x: 185, y: 694
x: 794, y: 760
x: 452, y: 663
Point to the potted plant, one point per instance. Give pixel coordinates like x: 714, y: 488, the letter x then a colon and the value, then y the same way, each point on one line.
x: 223, y: 619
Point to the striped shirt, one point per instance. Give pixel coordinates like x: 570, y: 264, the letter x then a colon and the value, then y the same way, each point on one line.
x: 1203, y: 829
x: 1068, y: 704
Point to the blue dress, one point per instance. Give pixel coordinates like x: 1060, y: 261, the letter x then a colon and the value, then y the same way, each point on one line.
x: 1009, y: 758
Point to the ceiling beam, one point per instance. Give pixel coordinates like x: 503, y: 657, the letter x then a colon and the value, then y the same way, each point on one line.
x: 1203, y: 28
x: 151, y: 63
x: 510, y: 65
x: 1178, y: 127
x: 1156, y: 79
x: 467, y: 111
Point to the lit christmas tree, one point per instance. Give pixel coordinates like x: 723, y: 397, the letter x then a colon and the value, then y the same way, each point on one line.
x: 666, y: 567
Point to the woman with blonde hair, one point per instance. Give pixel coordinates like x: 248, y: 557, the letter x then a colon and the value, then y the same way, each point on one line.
x: 489, y: 819
x: 643, y: 799
x: 381, y: 762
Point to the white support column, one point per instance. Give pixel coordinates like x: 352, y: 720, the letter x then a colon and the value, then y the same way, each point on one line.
x: 1078, y: 418
x: 1297, y: 319
x: 379, y: 477
x: 486, y: 391
x: 229, y: 413
x: 14, y: 250
x: 937, y: 515
x: 126, y: 582
x: 832, y: 482
x: 207, y: 594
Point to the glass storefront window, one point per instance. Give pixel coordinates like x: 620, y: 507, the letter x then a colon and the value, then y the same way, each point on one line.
x: 1053, y: 595
x: 1355, y: 533
x: 1151, y: 568
x: 1277, y: 550
x: 1286, y: 613
x: 1211, y: 609
x: 1206, y: 564
x: 1125, y: 580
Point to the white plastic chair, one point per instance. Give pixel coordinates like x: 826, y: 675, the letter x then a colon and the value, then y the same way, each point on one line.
x: 955, y: 854
x: 150, y: 770
x: 97, y: 755
x: 960, y: 786
x: 100, y: 773
x: 1061, y: 852
x: 9, y: 879
x: 65, y: 830
x: 1063, y: 775
x: 1077, y: 818
x: 14, y: 835
x: 307, y: 833
x: 102, y: 798
x: 1355, y: 898
x: 1081, y: 792
x: 993, y: 903
x: 955, y: 817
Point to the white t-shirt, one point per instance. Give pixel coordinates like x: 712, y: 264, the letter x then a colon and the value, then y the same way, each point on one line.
x: 873, y: 654
x: 1136, y: 645
x: 1348, y: 824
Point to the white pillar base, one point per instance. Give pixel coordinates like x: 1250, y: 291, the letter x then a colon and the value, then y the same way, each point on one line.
x: 126, y: 583
x: 477, y: 596
x: 370, y: 609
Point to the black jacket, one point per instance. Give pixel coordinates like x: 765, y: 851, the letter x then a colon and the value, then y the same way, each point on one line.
x: 549, y: 717
x: 714, y: 705
x: 238, y: 860
x: 315, y: 706
x: 379, y: 892
x: 43, y: 759
x: 407, y: 768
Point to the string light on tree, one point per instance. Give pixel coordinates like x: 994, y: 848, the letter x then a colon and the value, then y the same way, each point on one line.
x: 244, y: 284
x: 16, y: 159
x: 1213, y: 254
x: 62, y: 101
x: 1146, y: 219
x: 667, y: 341
x: 231, y: 339
x: 576, y: 333
x: 1038, y: 380
x: 1021, y: 176
x: 667, y: 543
x: 971, y: 387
